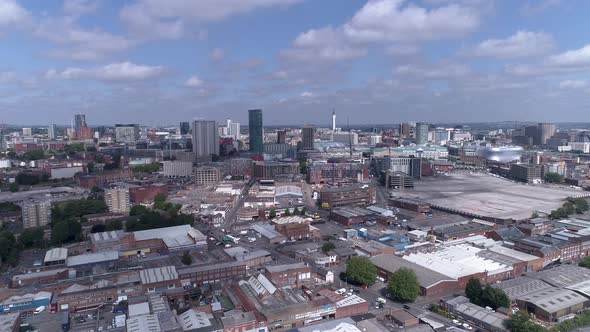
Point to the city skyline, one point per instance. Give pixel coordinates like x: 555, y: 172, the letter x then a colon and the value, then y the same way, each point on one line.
x: 465, y: 61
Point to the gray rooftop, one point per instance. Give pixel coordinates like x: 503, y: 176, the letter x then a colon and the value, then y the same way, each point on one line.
x: 564, y: 275
x: 158, y: 274
x: 56, y: 254
x: 93, y: 258
x: 426, y: 277
x: 207, y: 267
x: 284, y: 267
x: 521, y: 286
x: 554, y: 299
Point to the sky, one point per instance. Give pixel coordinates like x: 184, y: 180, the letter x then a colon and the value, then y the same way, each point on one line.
x: 157, y: 62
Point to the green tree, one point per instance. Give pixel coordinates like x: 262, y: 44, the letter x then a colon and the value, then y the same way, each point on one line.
x: 34, y: 155
x: 360, y: 270
x: 580, y: 204
x: 9, y: 207
x: 272, y: 214
x: 302, y: 211
x: 186, y: 258
x: 494, y: 298
x: 403, y: 285
x: 148, y: 168
x: 521, y: 322
x: 13, y: 187
x: 569, y: 208
x: 553, y: 177
x: 328, y: 246
x: 585, y: 262
x: 473, y: 291
x: 114, y: 225
x: 296, y: 211
x: 534, y: 215
x: 66, y: 231
x: 90, y: 167
x: 8, y: 250
x: 27, y: 179
x: 32, y: 237
x: 287, y: 212
x: 98, y: 228
x: 137, y: 210
x: 303, y: 167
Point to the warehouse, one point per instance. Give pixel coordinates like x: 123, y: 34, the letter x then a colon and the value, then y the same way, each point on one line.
x: 431, y: 282
x: 552, y: 304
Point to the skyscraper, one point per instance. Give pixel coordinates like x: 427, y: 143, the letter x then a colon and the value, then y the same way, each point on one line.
x: 52, y: 131
x: 421, y: 133
x: 79, y: 121
x: 404, y: 129
x: 256, y: 131
x: 184, y: 128
x: 545, y: 131
x: 205, y: 138
x: 234, y: 130
x: 308, y: 134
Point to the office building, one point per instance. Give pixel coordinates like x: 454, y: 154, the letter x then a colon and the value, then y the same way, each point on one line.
x: 52, y: 131
x: 545, y: 131
x: 308, y: 135
x: 205, y: 138
x: 421, y: 133
x: 255, y: 127
x: 27, y: 132
x: 178, y: 168
x: 234, y: 130
x: 126, y: 133
x: 36, y: 214
x: 117, y: 200
x: 79, y: 121
x: 405, y: 130
x: 345, y: 137
x: 351, y: 195
x: 207, y: 175
x: 184, y: 128
x: 281, y: 136
x: 528, y: 173
x: 374, y: 139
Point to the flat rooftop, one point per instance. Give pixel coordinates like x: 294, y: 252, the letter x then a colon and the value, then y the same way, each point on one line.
x: 487, y: 196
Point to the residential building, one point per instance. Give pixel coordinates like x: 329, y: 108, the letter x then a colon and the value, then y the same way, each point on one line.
x: 36, y: 213
x: 117, y: 200
x: 205, y: 138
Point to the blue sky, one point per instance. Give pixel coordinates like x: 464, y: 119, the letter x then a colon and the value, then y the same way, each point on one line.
x: 375, y: 61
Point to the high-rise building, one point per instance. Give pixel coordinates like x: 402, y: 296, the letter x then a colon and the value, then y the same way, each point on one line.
x: 52, y: 131
x: 421, y: 133
x: 27, y: 131
x: 404, y: 129
x: 281, y: 136
x: 126, y: 133
x: 117, y: 200
x: 234, y: 130
x: 308, y: 134
x: 184, y: 128
x: 205, y: 138
x: 79, y: 121
x: 36, y: 214
x: 545, y: 131
x: 255, y: 128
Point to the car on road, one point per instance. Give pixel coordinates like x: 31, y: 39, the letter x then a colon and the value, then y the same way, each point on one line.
x: 465, y: 325
x: 364, y: 286
x: 456, y: 322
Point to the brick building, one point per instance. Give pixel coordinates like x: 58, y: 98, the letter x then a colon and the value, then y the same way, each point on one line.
x: 298, y: 274
x: 350, y: 195
x: 211, y: 272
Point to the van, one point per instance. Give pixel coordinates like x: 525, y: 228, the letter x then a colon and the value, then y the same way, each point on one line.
x: 39, y: 310
x: 381, y: 300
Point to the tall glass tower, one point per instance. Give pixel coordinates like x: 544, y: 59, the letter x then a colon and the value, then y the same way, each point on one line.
x: 256, y: 131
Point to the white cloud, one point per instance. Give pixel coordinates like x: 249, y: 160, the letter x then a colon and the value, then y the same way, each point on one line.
x: 194, y: 82
x: 573, y: 84
x: 574, y: 58
x: 7, y: 77
x: 521, y: 44
x: 539, y: 6
x: 79, y: 7
x: 79, y: 44
x: 11, y: 13
x: 390, y: 20
x: 307, y: 94
x: 217, y: 54
x: 442, y: 71
x: 114, y: 72
x: 153, y: 19
x: 383, y: 21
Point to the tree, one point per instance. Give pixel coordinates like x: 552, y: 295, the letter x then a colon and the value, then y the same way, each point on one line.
x: 534, y: 215
x: 90, y: 167
x: 569, y: 208
x: 494, y: 298
x: 360, y: 270
x: 186, y: 258
x: 8, y: 250
x: 27, y: 179
x: 296, y: 211
x: 34, y: 155
x: 473, y: 291
x: 114, y: 225
x: 32, y: 237
x: 302, y: 211
x: 580, y: 204
x: 287, y: 212
x: 328, y: 246
x: 272, y: 214
x: 403, y: 285
x: 585, y: 262
x: 137, y: 210
x: 66, y: 231
x: 553, y: 177
x: 521, y: 322
x: 13, y: 187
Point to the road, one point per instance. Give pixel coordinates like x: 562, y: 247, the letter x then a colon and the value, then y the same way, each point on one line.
x: 382, y: 193
x: 230, y: 217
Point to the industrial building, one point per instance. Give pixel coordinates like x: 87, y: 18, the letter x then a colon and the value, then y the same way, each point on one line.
x: 361, y: 194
